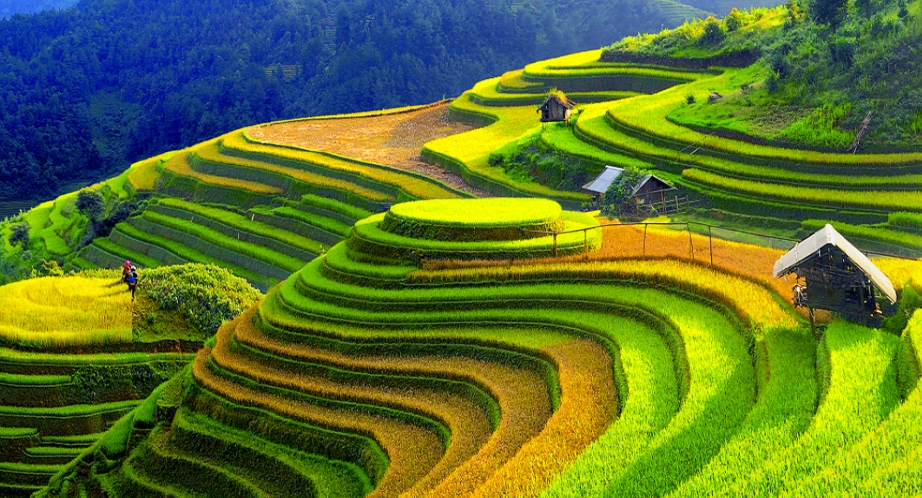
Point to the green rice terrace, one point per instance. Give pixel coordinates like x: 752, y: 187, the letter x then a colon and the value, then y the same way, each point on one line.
x: 393, y: 304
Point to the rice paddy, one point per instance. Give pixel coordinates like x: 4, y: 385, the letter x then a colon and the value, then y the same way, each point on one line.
x: 65, y: 311
x: 415, y: 342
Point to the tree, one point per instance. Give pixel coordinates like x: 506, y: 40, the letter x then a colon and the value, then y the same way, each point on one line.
x: 619, y: 192
x: 91, y: 203
x: 829, y: 12
x: 865, y: 6
x: 713, y: 33
x: 795, y: 10
x: 20, y: 234
x: 842, y: 51
x: 734, y: 20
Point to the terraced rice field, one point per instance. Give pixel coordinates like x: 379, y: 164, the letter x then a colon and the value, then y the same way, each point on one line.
x: 55, y: 405
x: 623, y: 118
x: 497, y: 347
x: 393, y: 139
x: 32, y: 315
x: 364, y: 373
x: 263, y: 210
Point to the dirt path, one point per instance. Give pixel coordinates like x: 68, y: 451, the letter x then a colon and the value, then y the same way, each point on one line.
x: 394, y: 140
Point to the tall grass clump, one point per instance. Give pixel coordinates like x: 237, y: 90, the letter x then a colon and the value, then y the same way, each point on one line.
x: 821, y: 127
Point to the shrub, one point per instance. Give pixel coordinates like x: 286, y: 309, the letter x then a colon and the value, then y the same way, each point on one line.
x: 734, y: 20
x: 618, y: 195
x: 20, y: 234
x: 206, y: 295
x: 910, y: 301
x: 829, y: 12
x: 916, y: 124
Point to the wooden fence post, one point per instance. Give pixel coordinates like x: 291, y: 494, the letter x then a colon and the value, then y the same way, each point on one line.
x: 691, y: 247
x: 710, y: 245
x: 645, y: 239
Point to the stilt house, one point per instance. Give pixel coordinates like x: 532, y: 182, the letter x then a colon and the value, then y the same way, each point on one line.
x: 649, y: 190
x: 838, y: 277
x: 555, y: 108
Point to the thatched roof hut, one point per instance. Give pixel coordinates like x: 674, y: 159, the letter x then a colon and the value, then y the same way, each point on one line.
x: 556, y: 108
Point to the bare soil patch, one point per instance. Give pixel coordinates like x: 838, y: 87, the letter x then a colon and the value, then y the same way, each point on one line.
x: 394, y: 140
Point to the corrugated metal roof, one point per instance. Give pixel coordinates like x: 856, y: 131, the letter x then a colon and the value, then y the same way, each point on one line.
x: 604, y: 180
x: 610, y: 174
x: 829, y: 236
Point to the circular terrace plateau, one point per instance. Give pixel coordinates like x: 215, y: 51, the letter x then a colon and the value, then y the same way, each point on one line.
x: 465, y: 220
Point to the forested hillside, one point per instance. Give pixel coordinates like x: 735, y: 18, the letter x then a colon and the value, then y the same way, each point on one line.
x: 11, y: 7
x: 87, y: 90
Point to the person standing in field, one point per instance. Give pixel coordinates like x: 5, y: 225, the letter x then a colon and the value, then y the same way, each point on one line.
x: 126, y: 269
x: 131, y: 278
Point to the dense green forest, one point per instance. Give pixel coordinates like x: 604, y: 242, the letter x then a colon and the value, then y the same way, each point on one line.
x: 10, y: 7
x: 87, y: 90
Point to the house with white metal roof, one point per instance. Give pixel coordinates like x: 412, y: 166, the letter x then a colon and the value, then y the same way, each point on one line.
x: 648, y: 190
x: 838, y: 277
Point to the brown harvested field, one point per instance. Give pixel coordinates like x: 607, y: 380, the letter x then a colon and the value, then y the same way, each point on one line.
x: 748, y: 260
x: 585, y: 369
x: 392, y: 139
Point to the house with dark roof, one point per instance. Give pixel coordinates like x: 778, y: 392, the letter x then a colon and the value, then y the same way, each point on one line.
x: 837, y: 277
x: 649, y: 190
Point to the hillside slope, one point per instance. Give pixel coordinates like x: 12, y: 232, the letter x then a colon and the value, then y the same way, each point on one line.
x: 78, y: 356
x: 406, y: 362
x: 512, y: 346
x: 647, y: 104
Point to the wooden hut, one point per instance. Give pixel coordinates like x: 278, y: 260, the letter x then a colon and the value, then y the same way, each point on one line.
x: 837, y: 277
x: 649, y: 190
x: 555, y: 108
